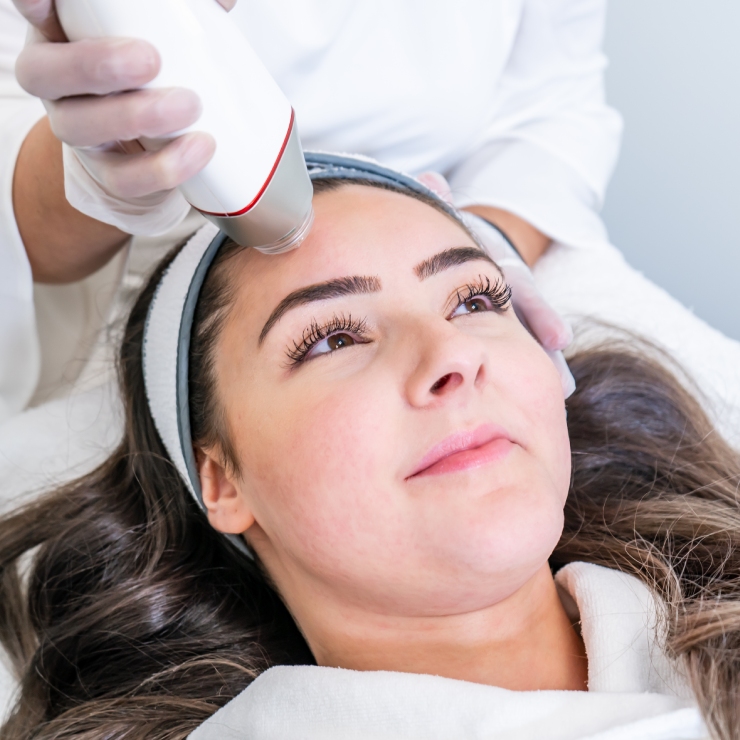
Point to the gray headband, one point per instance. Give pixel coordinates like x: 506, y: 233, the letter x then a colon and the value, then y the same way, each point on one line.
x: 169, y: 323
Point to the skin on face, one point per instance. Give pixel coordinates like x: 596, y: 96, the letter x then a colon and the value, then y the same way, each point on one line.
x: 327, y: 447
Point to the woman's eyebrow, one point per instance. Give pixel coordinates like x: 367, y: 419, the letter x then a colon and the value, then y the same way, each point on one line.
x: 450, y: 258
x: 359, y: 284
x: 354, y: 285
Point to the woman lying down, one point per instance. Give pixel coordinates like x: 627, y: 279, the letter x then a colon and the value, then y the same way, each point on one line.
x: 354, y: 456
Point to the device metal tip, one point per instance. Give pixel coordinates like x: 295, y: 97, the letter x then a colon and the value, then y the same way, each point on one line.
x: 292, y: 239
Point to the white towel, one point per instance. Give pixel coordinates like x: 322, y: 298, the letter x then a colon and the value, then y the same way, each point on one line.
x: 635, y: 691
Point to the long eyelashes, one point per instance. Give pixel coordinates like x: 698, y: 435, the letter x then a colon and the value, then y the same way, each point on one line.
x: 316, y: 332
x: 498, y: 292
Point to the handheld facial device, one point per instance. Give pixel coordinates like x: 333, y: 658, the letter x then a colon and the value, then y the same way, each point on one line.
x: 256, y: 188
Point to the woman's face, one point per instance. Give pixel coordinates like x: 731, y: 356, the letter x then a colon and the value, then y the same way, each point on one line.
x: 401, y: 436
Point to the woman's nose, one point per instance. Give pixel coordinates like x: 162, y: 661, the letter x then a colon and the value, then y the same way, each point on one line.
x: 450, y: 364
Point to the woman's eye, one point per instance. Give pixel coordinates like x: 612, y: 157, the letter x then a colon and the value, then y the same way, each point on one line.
x: 333, y: 342
x: 317, y: 340
x: 476, y: 304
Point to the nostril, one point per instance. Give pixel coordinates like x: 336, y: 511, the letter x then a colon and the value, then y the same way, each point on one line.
x: 446, y: 382
x: 441, y: 383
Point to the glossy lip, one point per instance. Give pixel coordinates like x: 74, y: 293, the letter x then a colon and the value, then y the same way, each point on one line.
x: 465, y: 450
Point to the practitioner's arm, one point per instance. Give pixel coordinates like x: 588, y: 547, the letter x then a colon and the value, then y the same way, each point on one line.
x: 528, y: 240
x: 117, y: 185
x: 62, y: 244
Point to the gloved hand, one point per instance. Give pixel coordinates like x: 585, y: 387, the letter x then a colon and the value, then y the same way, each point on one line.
x: 552, y: 332
x: 90, y: 92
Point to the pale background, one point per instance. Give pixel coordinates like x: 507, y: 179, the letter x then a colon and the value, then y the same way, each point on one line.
x: 673, y: 206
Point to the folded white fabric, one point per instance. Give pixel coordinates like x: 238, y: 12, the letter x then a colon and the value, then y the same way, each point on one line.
x: 635, y: 691
x: 288, y: 703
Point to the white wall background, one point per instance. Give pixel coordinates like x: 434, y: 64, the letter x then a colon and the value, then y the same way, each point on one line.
x: 673, y: 206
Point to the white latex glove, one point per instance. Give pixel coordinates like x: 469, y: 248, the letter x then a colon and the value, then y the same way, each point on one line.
x: 90, y: 92
x: 545, y: 324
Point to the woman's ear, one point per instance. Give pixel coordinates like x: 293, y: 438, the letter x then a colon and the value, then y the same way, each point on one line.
x: 228, y: 510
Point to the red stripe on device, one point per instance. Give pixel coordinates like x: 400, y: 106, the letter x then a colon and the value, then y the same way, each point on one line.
x: 267, y: 182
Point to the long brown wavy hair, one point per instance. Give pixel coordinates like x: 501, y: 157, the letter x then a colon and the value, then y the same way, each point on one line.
x: 126, y: 616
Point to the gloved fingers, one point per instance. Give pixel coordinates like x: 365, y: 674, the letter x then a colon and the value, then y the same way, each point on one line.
x: 41, y: 15
x: 90, y: 120
x: 437, y: 183
x: 89, y: 67
x: 566, y: 376
x: 128, y: 176
x: 551, y: 330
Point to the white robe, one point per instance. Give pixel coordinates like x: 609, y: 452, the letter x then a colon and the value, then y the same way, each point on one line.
x: 635, y: 691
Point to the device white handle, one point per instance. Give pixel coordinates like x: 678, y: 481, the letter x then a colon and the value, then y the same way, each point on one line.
x: 202, y: 49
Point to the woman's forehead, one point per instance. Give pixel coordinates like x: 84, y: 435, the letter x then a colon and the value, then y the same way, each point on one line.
x: 358, y: 230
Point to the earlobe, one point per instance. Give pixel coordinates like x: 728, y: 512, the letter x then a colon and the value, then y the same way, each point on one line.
x: 228, y: 511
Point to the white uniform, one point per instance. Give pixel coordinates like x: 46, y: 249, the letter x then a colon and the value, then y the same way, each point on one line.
x: 505, y: 97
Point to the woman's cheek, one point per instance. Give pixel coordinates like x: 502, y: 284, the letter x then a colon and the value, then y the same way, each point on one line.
x: 539, y: 396
x: 320, y: 459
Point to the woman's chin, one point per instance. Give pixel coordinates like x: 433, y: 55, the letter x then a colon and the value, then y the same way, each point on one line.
x: 504, y: 533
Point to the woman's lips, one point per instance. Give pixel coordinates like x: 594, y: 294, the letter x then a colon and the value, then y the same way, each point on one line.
x: 466, y: 450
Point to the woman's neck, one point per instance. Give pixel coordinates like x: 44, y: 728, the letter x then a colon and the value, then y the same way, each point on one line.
x: 523, y: 643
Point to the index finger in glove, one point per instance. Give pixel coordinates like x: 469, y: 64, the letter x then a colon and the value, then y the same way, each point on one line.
x: 127, y: 176
x: 89, y: 67
x: 567, y: 381
x: 92, y: 121
x: 551, y: 330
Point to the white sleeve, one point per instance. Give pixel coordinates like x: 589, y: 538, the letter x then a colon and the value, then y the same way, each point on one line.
x: 552, y: 143
x: 19, y: 351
